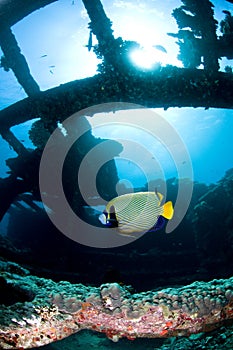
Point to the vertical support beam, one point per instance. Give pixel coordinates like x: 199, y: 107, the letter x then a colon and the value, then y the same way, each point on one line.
x: 100, y: 26
x: 208, y: 27
x: 17, y: 62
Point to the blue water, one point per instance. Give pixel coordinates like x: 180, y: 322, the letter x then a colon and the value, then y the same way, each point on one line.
x: 207, y: 135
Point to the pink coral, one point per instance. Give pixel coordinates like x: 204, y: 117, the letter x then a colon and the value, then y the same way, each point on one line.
x: 61, y: 309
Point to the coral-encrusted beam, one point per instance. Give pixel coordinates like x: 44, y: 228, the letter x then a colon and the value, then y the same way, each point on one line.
x: 15, y: 60
x: 50, y: 311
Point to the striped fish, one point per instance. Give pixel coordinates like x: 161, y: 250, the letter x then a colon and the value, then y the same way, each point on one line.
x: 136, y: 212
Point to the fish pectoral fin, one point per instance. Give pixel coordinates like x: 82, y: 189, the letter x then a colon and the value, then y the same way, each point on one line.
x: 158, y: 195
x: 168, y: 210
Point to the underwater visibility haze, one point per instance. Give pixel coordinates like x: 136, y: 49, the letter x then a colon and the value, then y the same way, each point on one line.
x: 116, y: 174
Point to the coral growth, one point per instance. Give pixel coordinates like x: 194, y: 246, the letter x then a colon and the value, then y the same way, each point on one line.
x: 61, y: 309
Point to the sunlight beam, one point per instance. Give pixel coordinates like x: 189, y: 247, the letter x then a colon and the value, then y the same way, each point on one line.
x: 148, y: 57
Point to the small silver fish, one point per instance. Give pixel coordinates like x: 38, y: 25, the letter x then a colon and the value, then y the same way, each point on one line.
x: 160, y: 48
x: 89, y: 45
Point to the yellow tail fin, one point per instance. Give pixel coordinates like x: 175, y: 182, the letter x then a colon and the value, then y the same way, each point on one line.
x: 168, y: 210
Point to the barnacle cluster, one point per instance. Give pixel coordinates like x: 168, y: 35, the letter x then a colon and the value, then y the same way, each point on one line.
x: 38, y: 134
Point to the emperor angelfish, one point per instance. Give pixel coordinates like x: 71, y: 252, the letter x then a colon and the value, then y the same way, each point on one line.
x: 137, y: 212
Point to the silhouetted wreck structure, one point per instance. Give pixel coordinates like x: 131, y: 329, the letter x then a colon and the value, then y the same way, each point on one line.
x: 197, y: 37
x: 117, y: 81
